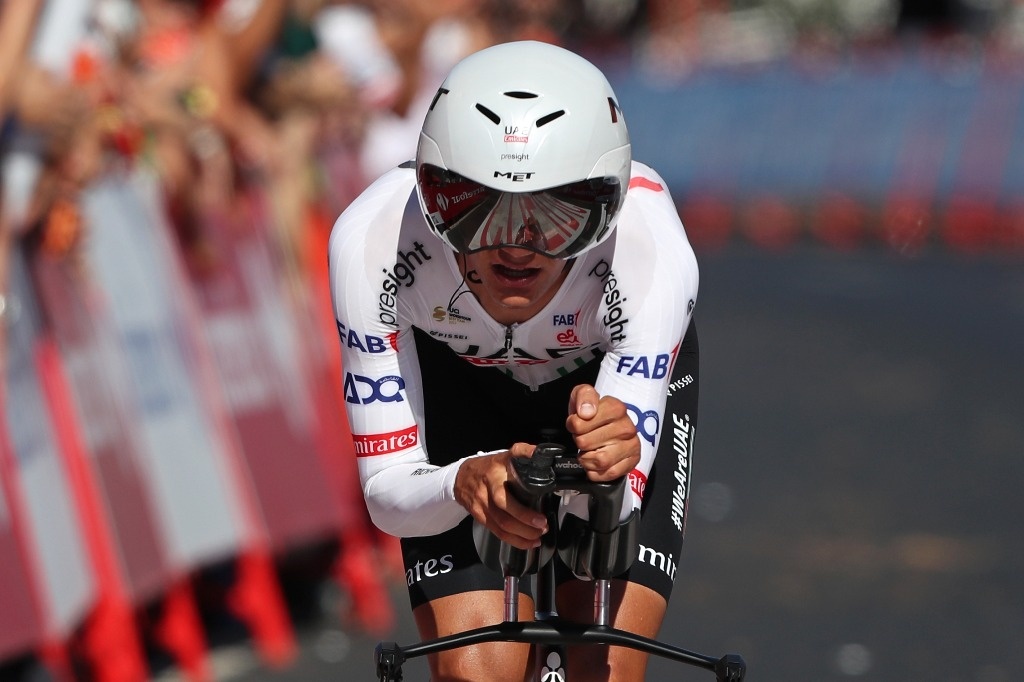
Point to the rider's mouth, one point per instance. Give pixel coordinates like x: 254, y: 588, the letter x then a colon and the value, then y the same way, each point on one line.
x: 515, y: 275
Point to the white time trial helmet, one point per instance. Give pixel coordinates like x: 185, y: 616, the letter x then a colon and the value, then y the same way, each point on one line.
x: 524, y: 145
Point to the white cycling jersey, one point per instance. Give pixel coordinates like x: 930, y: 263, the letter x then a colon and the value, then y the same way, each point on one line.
x: 630, y: 297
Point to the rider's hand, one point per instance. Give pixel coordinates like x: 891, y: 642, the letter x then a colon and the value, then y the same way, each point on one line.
x: 604, y: 433
x: 481, y: 487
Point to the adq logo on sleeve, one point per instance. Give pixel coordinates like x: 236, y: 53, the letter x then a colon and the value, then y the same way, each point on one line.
x: 360, y: 390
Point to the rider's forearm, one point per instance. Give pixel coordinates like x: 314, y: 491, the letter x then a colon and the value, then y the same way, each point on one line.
x: 17, y: 22
x: 413, y: 499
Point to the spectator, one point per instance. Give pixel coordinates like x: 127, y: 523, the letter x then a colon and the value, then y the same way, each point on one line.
x: 17, y: 19
x: 412, y: 44
x: 182, y: 89
x: 311, y: 106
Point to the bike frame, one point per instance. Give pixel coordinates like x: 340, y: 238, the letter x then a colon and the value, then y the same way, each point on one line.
x: 549, y: 634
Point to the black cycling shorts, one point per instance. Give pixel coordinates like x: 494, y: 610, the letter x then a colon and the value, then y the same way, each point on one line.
x: 469, y: 408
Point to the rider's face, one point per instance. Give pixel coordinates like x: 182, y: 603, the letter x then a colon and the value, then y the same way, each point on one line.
x: 513, y: 284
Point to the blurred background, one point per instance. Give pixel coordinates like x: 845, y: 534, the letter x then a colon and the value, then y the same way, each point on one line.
x: 177, y: 488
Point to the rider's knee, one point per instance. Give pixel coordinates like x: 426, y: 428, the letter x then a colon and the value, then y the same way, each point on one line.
x: 607, y: 664
x: 497, y: 662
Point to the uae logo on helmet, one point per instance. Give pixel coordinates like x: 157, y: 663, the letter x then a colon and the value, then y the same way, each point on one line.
x: 513, y: 134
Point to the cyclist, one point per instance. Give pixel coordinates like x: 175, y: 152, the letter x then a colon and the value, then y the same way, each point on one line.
x: 559, y: 294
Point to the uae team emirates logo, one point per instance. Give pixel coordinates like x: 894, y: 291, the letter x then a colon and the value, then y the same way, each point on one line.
x: 385, y: 443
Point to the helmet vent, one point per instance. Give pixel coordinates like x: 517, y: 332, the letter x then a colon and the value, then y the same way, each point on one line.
x: 544, y: 120
x: 614, y: 109
x: 519, y: 94
x: 489, y: 114
x: 437, y: 96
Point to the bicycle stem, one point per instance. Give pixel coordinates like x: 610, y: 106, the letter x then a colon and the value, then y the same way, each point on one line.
x: 511, y: 598
x: 602, y: 592
x: 602, y: 599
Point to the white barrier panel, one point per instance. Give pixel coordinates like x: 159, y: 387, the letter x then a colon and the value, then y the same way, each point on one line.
x: 106, y: 414
x: 185, y: 455
x: 53, y: 540
x: 252, y: 331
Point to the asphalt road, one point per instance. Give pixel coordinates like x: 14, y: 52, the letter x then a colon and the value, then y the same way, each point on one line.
x: 859, y: 469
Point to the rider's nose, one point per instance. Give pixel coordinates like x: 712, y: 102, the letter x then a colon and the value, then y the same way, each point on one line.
x: 514, y: 255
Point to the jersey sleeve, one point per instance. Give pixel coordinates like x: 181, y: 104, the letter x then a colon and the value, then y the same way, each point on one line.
x: 649, y: 293
x: 405, y: 495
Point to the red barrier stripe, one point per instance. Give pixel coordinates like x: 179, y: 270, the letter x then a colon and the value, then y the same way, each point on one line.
x: 112, y: 642
x: 357, y: 568
x: 180, y: 631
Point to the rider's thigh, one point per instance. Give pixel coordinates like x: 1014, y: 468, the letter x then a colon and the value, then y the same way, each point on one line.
x: 635, y: 609
x: 497, y: 661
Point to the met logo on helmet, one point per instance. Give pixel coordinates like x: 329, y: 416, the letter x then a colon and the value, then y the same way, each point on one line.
x: 514, y: 176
